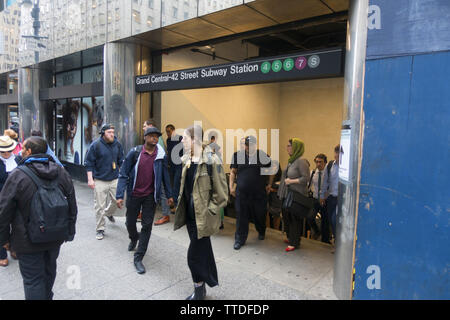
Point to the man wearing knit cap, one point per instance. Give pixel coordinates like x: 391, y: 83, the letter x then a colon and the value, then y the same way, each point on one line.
x: 103, y: 161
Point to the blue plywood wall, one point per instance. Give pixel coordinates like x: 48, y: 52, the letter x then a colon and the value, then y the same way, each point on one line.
x: 402, y: 245
x: 404, y: 207
x: 403, y: 27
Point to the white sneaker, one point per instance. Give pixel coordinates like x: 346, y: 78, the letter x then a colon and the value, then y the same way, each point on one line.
x: 100, y: 235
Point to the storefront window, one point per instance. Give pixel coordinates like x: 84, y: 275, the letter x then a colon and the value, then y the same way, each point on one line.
x: 68, y: 130
x: 69, y: 78
x: 93, y: 74
x: 92, y: 121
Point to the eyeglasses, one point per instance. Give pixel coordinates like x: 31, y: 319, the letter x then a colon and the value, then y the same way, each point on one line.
x: 3, y: 152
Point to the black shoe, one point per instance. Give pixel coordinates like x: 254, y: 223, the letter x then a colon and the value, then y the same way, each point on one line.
x: 237, y: 246
x: 132, y: 245
x: 139, y: 267
x: 221, y: 226
x: 111, y: 219
x: 199, y: 293
x: 261, y: 236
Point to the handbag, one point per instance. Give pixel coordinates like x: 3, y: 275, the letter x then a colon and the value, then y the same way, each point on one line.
x: 298, y: 204
x: 303, y: 200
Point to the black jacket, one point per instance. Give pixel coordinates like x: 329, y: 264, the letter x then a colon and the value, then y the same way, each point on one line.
x: 15, y: 201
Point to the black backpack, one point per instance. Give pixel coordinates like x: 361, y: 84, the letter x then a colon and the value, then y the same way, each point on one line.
x: 49, y: 211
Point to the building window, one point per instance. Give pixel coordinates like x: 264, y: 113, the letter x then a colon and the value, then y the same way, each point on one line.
x: 149, y: 21
x: 150, y: 4
x: 101, y: 19
x: 117, y: 14
x: 137, y: 16
x: 175, y: 12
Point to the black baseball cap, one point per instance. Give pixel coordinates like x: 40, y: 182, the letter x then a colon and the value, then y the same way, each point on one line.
x: 152, y: 130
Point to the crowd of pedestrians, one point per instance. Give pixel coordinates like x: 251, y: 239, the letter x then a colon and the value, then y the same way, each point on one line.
x: 185, y: 177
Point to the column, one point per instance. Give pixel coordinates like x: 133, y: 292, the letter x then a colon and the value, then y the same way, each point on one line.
x: 352, y: 120
x: 28, y: 94
x: 119, y: 91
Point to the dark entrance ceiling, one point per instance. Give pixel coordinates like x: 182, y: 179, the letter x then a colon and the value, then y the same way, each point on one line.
x: 311, y: 38
x: 274, y: 28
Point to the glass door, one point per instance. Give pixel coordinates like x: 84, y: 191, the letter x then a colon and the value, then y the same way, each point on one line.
x: 92, y: 119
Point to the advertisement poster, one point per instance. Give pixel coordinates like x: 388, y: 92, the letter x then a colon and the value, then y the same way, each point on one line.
x: 344, y: 155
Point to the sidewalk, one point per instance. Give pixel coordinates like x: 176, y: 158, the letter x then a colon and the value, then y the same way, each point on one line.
x: 104, y: 270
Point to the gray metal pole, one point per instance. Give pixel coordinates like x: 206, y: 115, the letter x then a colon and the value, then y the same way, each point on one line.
x: 352, y: 121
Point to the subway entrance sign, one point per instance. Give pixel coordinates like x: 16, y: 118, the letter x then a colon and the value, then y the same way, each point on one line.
x: 304, y: 65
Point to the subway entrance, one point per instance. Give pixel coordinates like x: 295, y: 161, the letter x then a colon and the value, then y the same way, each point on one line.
x: 275, y: 106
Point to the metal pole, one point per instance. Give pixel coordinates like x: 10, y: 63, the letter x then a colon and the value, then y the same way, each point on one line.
x: 353, y: 121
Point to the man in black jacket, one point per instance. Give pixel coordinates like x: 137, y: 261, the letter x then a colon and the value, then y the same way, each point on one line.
x: 37, y: 262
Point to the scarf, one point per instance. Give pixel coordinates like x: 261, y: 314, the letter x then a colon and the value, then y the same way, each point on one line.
x: 298, y: 148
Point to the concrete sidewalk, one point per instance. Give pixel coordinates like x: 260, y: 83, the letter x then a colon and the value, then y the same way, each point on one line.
x: 104, y: 270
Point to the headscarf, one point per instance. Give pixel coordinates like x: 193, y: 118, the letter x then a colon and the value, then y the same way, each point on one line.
x: 298, y: 148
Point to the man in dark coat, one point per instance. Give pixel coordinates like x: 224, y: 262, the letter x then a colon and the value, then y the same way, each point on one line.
x: 37, y: 262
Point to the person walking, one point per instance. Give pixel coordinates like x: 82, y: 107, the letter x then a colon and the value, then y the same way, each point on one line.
x: 7, y: 164
x: 316, y: 189
x: 38, y: 133
x: 103, y: 161
x: 331, y: 186
x: 203, y: 192
x: 215, y: 147
x: 293, y: 186
x: 29, y: 231
x: 165, y: 208
x: 143, y: 174
x: 251, y: 190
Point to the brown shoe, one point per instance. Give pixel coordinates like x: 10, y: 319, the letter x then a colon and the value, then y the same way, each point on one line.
x: 4, y: 263
x: 163, y: 220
